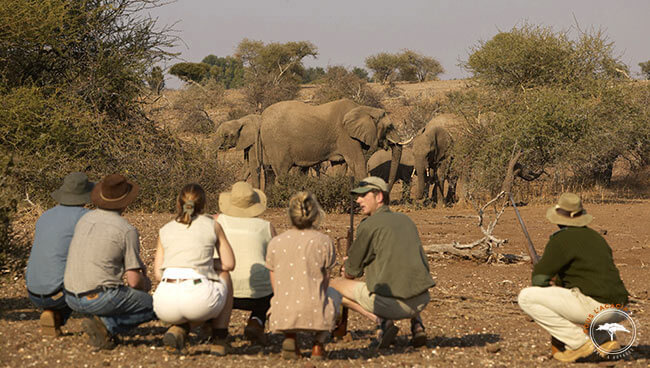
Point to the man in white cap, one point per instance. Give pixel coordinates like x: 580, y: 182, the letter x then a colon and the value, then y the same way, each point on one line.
x: 388, y: 250
x: 579, y: 263
x: 47, y: 259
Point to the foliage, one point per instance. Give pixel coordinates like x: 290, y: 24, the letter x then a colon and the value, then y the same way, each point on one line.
x: 332, y: 192
x: 361, y: 73
x: 422, y: 111
x: 156, y: 80
x: 194, y: 101
x: 339, y: 83
x: 414, y: 67
x: 101, y: 53
x: 9, y: 196
x: 645, y: 69
x: 273, y: 71
x: 229, y: 71
x: 196, y: 72
x: 383, y: 66
x: 311, y: 75
x: 531, y: 56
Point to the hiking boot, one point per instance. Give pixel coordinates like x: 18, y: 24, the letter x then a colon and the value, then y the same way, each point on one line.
x: 419, y: 336
x: 221, y: 346
x: 98, y: 335
x: 570, y: 356
x: 386, y: 334
x: 254, y: 331
x: 51, y: 323
x: 290, y: 348
x: 556, y: 346
x: 608, y: 347
x: 175, y: 338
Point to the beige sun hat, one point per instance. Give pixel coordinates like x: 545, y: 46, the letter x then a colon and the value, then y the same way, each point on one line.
x: 569, y: 212
x: 370, y: 183
x: 242, y: 201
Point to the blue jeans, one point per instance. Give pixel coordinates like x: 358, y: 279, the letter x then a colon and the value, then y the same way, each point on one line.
x: 121, y: 309
x: 55, y: 302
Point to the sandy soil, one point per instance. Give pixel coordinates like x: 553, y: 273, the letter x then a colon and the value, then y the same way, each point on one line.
x: 473, y: 319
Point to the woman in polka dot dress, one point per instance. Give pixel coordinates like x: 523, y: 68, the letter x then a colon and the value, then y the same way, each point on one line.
x: 299, y: 261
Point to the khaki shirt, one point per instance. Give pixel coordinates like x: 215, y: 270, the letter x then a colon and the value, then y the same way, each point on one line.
x: 388, y: 250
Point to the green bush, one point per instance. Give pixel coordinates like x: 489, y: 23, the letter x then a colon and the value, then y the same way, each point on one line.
x: 332, y: 192
x: 645, y: 69
x: 228, y: 71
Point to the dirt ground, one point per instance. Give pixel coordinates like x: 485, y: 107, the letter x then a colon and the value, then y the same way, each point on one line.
x: 472, y: 320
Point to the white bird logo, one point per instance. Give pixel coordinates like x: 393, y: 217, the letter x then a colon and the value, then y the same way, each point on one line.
x: 612, y: 328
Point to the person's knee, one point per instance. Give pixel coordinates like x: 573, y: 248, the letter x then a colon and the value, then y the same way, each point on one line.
x: 525, y: 298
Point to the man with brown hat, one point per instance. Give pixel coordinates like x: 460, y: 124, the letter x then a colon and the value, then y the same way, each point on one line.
x: 104, y: 248
x: 47, y: 259
x: 579, y: 263
x: 388, y: 250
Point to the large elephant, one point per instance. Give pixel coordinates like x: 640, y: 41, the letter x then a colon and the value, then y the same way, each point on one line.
x: 243, y: 134
x: 379, y: 165
x: 296, y: 134
x: 431, y: 147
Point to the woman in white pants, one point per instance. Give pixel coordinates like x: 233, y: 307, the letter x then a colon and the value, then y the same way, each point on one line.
x: 193, y: 287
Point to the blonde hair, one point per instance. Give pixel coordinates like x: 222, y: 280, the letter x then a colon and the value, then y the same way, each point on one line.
x: 305, y: 211
x: 190, y: 202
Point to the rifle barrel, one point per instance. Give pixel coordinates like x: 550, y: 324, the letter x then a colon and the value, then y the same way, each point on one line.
x: 534, y: 258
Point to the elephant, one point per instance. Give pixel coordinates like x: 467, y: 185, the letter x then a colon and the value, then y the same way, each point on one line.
x: 243, y: 134
x: 431, y: 148
x: 379, y: 165
x: 294, y: 133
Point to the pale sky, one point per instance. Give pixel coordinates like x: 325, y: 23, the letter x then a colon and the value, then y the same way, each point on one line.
x: 347, y: 31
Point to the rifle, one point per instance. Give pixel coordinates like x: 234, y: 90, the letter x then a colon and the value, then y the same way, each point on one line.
x: 556, y: 345
x: 342, y: 328
x: 534, y: 258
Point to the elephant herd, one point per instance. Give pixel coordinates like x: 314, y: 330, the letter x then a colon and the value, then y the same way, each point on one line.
x: 294, y: 134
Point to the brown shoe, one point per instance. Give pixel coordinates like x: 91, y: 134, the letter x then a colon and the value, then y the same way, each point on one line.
x: 570, y: 356
x: 98, y: 335
x: 386, y: 334
x: 318, y: 351
x: 175, y: 338
x: 290, y: 348
x: 221, y: 346
x: 254, y: 331
x: 51, y: 323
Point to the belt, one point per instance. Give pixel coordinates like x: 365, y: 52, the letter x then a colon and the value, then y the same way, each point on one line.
x: 46, y: 295
x: 89, y: 292
x: 176, y: 281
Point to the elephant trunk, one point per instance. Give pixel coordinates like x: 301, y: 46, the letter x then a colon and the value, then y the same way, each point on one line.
x: 421, y: 172
x: 394, y: 165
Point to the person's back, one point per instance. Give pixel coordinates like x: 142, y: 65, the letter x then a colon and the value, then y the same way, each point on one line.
x: 47, y: 260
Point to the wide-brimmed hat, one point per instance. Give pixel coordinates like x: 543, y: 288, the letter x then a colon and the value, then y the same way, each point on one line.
x: 242, y: 201
x: 114, y: 192
x: 74, y: 191
x: 569, y: 211
x: 370, y: 183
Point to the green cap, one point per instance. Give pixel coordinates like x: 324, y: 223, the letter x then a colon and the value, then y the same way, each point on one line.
x: 370, y: 183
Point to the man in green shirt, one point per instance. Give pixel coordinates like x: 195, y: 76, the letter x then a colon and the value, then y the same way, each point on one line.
x: 387, y: 249
x: 579, y: 264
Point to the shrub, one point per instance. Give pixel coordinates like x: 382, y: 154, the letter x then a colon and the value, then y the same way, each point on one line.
x: 383, y: 66
x: 339, y: 83
x: 312, y: 74
x: 645, y: 69
x: 333, y: 192
x: 228, y: 71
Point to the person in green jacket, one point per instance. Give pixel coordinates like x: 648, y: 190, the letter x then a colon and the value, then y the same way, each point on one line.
x: 388, y: 251
x: 575, y: 277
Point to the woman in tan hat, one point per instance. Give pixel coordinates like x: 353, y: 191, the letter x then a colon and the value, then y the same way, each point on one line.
x: 579, y: 263
x: 299, y: 261
x: 193, y: 289
x: 249, y: 237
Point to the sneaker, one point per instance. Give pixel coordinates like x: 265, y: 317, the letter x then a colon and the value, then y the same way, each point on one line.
x: 290, y: 348
x: 318, y: 351
x: 50, y: 323
x: 570, y: 356
x: 387, y: 333
x: 98, y: 335
x: 175, y: 339
x: 254, y: 331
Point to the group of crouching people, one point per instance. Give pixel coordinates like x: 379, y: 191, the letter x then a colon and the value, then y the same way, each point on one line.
x: 89, y: 261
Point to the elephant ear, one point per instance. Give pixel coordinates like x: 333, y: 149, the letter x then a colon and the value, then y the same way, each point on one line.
x: 361, y: 124
x: 248, y: 133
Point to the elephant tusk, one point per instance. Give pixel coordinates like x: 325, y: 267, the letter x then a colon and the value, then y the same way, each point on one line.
x: 403, y: 143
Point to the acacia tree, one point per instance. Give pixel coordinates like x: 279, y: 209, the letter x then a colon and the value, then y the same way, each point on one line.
x: 186, y: 72
x: 228, y: 70
x: 417, y: 67
x: 383, y: 66
x: 272, y: 72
